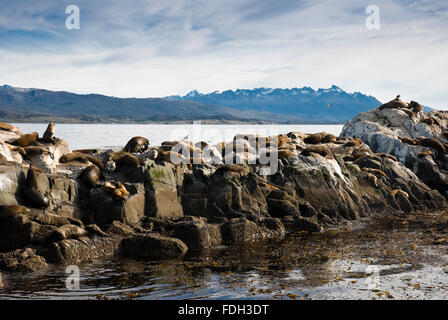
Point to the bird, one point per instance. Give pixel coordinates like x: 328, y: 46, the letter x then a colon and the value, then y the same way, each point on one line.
x: 329, y: 106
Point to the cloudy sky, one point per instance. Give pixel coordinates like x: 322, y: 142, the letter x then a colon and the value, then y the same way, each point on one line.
x: 146, y: 48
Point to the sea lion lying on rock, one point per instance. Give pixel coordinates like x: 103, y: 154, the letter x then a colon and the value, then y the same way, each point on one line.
x: 375, y: 171
x: 397, y: 191
x: 37, y: 150
x: 68, y: 231
x: 81, y: 157
x: 11, y: 211
x: 432, y: 143
x: 386, y: 155
x: 323, y: 151
x: 431, y: 121
x: 321, y: 137
x: 86, y: 151
x: 136, y: 145
x: 30, y: 191
x: 394, y: 104
x: 26, y: 140
x: 409, y: 141
x: 171, y: 157
x: 8, y: 127
x: 356, y: 142
x: 18, y: 149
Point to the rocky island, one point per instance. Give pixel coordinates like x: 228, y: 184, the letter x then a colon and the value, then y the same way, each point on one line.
x: 59, y: 206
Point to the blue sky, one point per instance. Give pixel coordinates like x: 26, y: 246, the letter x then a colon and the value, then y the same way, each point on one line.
x: 139, y: 48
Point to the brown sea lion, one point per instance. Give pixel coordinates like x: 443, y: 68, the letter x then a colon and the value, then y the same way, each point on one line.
x: 81, y: 157
x: 323, y: 151
x: 433, y: 143
x: 397, y: 191
x: 428, y: 121
x: 314, y: 138
x: 128, y: 160
x: 356, y: 142
x: 49, y: 134
x: 375, y: 171
x: 31, y: 193
x: 68, y: 231
x: 425, y: 153
x: 91, y: 176
x: 120, y: 192
x: 415, y: 106
x: 329, y: 138
x: 36, y: 150
x: 18, y: 149
x: 394, y: 104
x: 136, y: 145
x: 386, y: 155
x: 26, y: 140
x: 409, y: 141
x: 11, y: 211
x: 7, y: 127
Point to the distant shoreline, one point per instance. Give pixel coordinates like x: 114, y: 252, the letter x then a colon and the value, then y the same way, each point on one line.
x: 206, y: 121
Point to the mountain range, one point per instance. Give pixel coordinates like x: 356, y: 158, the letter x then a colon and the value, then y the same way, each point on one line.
x: 260, y: 105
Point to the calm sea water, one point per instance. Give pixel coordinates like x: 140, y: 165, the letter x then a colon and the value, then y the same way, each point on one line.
x: 82, y: 136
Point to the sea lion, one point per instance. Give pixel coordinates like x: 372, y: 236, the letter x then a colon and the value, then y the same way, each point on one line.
x: 356, y: 142
x: 18, y: 149
x: 109, y: 187
x: 72, y: 156
x: 120, y: 192
x: 49, y: 134
x: 284, y: 154
x: 355, y: 156
x: 128, y: 160
x: 397, y: 191
x: 329, y: 138
x: 433, y: 143
x: 11, y: 211
x: 136, y: 145
x: 409, y: 141
x: 26, y: 140
x: 36, y: 150
x: 31, y: 193
x: 425, y: 153
x: 7, y: 127
x: 91, y: 176
x: 323, y: 151
x: 386, y: 155
x: 375, y: 171
x: 314, y: 138
x: 415, y: 106
x: 68, y: 231
x: 394, y: 104
x: 428, y: 121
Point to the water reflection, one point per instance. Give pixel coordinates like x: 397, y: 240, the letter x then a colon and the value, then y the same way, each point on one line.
x: 327, y: 266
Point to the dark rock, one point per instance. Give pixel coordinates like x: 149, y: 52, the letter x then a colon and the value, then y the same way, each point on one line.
x: 152, y: 247
x: 22, y: 260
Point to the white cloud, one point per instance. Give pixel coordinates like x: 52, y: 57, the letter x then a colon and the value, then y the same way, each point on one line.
x: 157, y: 48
